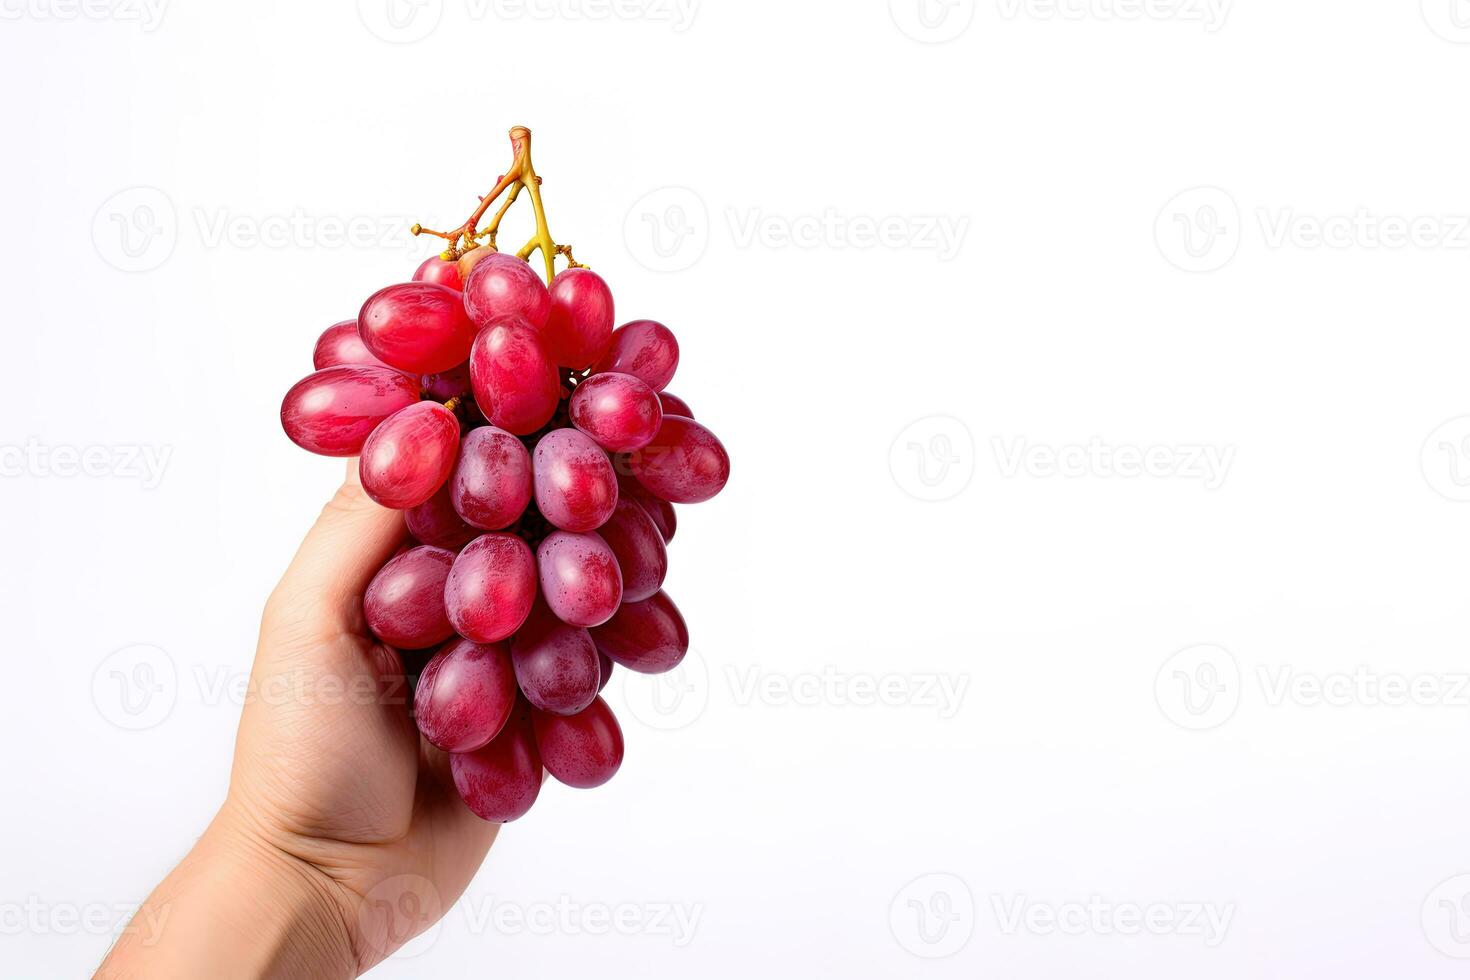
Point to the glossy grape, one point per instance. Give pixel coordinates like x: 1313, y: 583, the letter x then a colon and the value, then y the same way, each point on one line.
x: 579, y: 578
x: 436, y: 522
x: 515, y: 381
x: 674, y: 405
x: 435, y: 269
x: 605, y: 669
x: 465, y: 695
x: 660, y: 510
x: 684, y: 464
x: 556, y: 665
x: 618, y: 411
x: 340, y: 344
x: 639, y: 548
x: 501, y: 781
x: 649, y: 636
x: 333, y: 411
x: 579, y: 326
x: 491, y: 482
x: 404, y: 603
x: 408, y: 457
x: 501, y: 286
x: 419, y: 327
x: 582, y: 750
x: 644, y: 348
x: 576, y: 488
x: 491, y: 588
x: 444, y: 385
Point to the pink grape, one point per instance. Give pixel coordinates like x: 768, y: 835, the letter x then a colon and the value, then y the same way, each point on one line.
x: 605, y: 669
x: 340, y: 344
x: 579, y: 327
x: 660, y: 510
x: 444, y: 385
x: 555, y: 664
x: 684, y: 464
x: 579, y: 578
x: 465, y: 695
x: 648, y: 637
x: 333, y: 411
x: 435, y: 269
x: 618, y: 411
x: 436, y: 522
x: 501, y: 781
x: 502, y: 285
x: 515, y: 380
x: 644, y: 348
x: 404, y: 603
x: 576, y: 488
x: 674, y: 405
x: 491, y: 588
x: 491, y: 483
x: 639, y: 548
x: 408, y: 457
x: 420, y: 327
x: 582, y: 750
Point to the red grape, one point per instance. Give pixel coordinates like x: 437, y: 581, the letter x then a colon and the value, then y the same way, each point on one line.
x: 579, y: 327
x: 579, y: 578
x: 435, y: 269
x: 333, y: 411
x: 502, y: 285
x: 617, y: 410
x: 639, y: 548
x: 605, y: 669
x: 436, y: 522
x: 515, y: 381
x: 576, y: 488
x: 341, y: 344
x: 555, y: 664
x: 583, y: 750
x: 465, y: 695
x: 649, y: 636
x: 409, y: 455
x: 660, y: 510
x: 501, y: 781
x: 491, y: 483
x: 644, y: 348
x: 674, y: 405
x: 419, y: 327
x: 404, y: 603
x: 444, y: 385
x: 491, y: 588
x: 684, y: 464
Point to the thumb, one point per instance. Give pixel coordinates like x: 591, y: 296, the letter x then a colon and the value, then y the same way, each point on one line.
x: 342, y: 552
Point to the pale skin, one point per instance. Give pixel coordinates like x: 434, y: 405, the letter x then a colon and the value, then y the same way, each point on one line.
x: 342, y: 835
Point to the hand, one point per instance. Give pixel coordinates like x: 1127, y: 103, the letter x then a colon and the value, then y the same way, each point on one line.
x: 342, y: 835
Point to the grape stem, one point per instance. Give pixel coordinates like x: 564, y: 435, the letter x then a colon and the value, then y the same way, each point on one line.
x: 521, y: 175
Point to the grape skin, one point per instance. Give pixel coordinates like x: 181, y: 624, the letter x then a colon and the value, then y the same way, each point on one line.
x: 513, y: 375
x: 491, y: 588
x: 556, y: 665
x: 404, y: 603
x: 618, y: 411
x: 465, y: 695
x: 576, y: 488
x: 580, y: 324
x: 501, y: 781
x: 491, y: 483
x: 436, y: 522
x: 583, y: 750
x: 419, y: 327
x: 579, y: 578
x: 648, y: 637
x: 501, y: 286
x: 341, y: 344
x: 408, y: 457
x: 684, y: 464
x: 333, y: 411
x: 639, y: 548
x: 645, y: 349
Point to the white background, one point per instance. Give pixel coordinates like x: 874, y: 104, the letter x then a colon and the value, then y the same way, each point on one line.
x: 1182, y: 231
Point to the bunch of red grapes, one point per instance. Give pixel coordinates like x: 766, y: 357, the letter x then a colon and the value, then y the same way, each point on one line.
x: 537, y: 458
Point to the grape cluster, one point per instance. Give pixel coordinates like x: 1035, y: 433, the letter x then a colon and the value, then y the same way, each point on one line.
x: 537, y: 459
